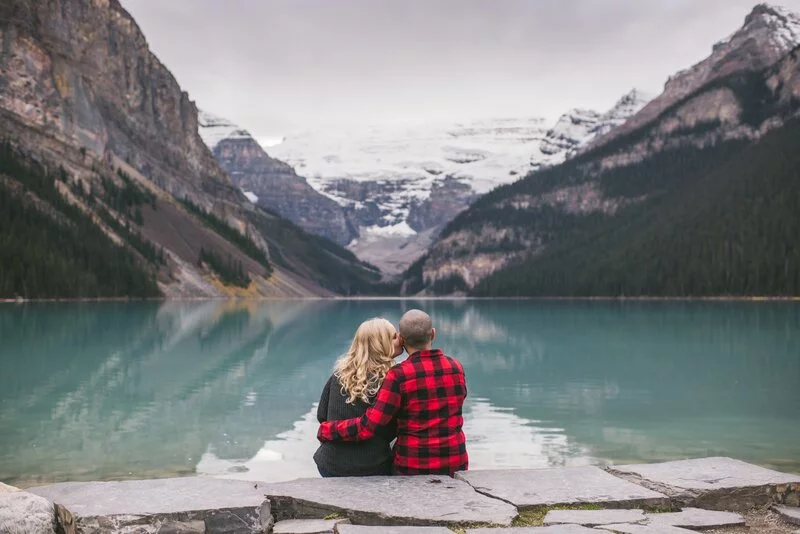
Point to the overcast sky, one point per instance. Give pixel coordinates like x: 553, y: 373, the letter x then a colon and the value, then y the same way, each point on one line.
x: 275, y: 66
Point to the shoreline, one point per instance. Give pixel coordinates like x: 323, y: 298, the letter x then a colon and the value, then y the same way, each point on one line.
x: 411, y: 298
x: 662, y: 495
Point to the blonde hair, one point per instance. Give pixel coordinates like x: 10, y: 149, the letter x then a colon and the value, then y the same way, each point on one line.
x: 362, y: 368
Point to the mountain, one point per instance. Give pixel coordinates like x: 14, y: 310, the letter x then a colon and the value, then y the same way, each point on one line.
x: 579, y: 127
x: 400, y: 184
x: 568, y: 228
x: 768, y: 33
x: 725, y: 223
x: 272, y: 183
x: 109, y: 189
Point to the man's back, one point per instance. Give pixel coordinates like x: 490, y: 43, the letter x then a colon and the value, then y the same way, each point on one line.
x: 425, y: 395
x: 429, y: 436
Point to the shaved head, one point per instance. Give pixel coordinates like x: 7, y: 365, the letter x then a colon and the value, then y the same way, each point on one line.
x: 416, y: 329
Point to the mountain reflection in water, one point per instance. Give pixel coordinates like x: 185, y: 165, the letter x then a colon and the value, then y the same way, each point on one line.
x: 132, y: 390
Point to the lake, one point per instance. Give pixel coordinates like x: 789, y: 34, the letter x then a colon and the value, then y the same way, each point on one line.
x: 101, y: 391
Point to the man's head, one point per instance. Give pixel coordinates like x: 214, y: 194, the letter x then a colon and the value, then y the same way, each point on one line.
x: 416, y: 329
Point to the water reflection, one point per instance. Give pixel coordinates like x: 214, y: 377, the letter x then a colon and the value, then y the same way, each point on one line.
x: 109, y: 391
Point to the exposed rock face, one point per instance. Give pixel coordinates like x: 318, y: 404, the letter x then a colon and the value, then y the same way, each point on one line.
x: 275, y: 184
x: 768, y: 33
x: 81, y: 89
x: 447, y: 199
x: 81, y: 71
x: 25, y: 513
x: 279, y: 189
x: 570, y: 130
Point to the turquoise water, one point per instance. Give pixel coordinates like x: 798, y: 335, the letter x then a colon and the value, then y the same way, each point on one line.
x: 114, y: 390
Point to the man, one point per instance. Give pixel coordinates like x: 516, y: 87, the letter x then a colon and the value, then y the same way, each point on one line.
x: 424, y: 395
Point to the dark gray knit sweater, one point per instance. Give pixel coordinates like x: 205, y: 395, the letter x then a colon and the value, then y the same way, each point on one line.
x: 364, y: 458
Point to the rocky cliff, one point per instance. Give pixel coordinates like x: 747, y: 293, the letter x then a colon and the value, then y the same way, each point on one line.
x: 81, y: 72
x: 279, y: 189
x: 80, y: 90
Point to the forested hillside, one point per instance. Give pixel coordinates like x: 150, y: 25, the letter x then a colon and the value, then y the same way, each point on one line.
x: 315, y: 257
x: 726, y: 222
x: 49, y: 248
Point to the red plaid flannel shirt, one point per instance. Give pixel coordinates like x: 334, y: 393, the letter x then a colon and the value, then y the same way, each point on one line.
x: 425, y: 394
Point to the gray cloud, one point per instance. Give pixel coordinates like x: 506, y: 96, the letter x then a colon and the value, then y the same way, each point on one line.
x: 279, y: 65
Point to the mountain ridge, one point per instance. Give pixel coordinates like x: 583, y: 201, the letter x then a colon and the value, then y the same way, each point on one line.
x: 768, y: 33
x: 523, y: 220
x: 405, y: 183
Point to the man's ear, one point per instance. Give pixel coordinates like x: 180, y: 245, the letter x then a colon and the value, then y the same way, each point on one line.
x: 433, y: 334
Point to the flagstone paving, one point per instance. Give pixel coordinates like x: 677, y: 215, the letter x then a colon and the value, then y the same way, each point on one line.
x: 529, y: 488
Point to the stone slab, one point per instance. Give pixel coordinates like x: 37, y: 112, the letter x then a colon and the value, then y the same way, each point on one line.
x: 591, y: 518
x: 306, y: 526
x: 631, y: 528
x: 363, y: 529
x: 553, y: 529
x: 394, y: 501
x: 528, y: 488
x: 715, y: 483
x: 25, y: 513
x: 693, y: 518
x: 790, y: 514
x: 182, y: 527
x: 235, y: 505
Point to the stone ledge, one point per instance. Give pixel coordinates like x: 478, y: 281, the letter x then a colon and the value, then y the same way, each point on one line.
x: 149, y: 505
x: 354, y: 529
x: 533, y: 488
x: 418, y: 501
x: 555, y: 529
x: 695, y: 518
x: 592, y: 518
x: 307, y: 526
x: 474, y: 499
x: 630, y: 528
x: 715, y: 483
x: 789, y: 514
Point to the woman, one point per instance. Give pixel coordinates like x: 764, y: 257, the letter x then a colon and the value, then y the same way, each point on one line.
x: 356, y: 380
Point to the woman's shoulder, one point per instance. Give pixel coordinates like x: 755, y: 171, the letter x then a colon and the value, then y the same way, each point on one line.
x: 336, y: 387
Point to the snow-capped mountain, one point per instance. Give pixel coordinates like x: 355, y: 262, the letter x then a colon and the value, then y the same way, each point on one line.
x: 579, y: 127
x: 271, y: 183
x: 398, y: 181
x: 214, y: 129
x: 387, y: 190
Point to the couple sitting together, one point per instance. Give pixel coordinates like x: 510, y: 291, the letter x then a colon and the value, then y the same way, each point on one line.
x: 369, y: 402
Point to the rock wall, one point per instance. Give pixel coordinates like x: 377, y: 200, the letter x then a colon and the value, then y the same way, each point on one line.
x: 281, y: 190
x: 81, y: 71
